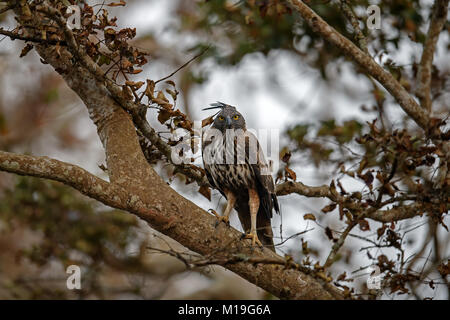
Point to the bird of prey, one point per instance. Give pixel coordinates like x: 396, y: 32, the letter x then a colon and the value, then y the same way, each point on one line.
x: 235, y: 165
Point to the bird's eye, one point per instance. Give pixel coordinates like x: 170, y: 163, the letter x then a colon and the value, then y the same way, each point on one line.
x: 236, y: 116
x: 221, y: 118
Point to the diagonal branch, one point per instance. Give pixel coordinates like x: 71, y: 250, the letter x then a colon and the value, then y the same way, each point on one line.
x: 366, y: 62
x: 184, y: 65
x: 438, y: 19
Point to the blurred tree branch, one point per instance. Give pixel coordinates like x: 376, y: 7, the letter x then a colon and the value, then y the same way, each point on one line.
x: 359, y: 36
x: 437, y: 22
x: 6, y: 8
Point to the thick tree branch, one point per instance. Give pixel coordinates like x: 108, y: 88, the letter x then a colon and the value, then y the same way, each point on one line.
x: 366, y: 62
x: 437, y: 22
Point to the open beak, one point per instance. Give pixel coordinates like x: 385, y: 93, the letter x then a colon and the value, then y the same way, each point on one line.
x: 228, y: 122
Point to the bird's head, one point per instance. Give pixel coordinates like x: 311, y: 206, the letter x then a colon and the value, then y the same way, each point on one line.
x: 227, y: 118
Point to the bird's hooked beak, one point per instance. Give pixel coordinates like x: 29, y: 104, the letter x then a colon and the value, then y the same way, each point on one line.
x: 228, y: 121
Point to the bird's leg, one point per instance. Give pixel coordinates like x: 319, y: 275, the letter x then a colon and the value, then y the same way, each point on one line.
x: 231, y: 200
x: 254, y: 206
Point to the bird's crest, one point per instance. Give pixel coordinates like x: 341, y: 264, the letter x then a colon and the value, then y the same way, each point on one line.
x: 218, y: 105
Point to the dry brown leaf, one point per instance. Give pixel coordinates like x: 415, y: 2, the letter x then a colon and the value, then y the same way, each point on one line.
x: 290, y: 174
x: 309, y: 216
x: 121, y: 3
x: 205, y: 191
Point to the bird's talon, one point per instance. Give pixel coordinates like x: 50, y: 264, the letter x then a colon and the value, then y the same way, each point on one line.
x: 224, y: 219
x: 254, y: 238
x: 214, y: 213
x: 220, y: 218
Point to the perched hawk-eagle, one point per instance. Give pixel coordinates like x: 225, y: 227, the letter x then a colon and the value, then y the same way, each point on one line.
x: 235, y: 165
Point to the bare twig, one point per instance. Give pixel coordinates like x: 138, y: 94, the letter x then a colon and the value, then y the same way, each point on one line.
x: 224, y: 259
x: 295, y: 235
x: 184, y: 65
x: 338, y: 244
x: 437, y: 255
